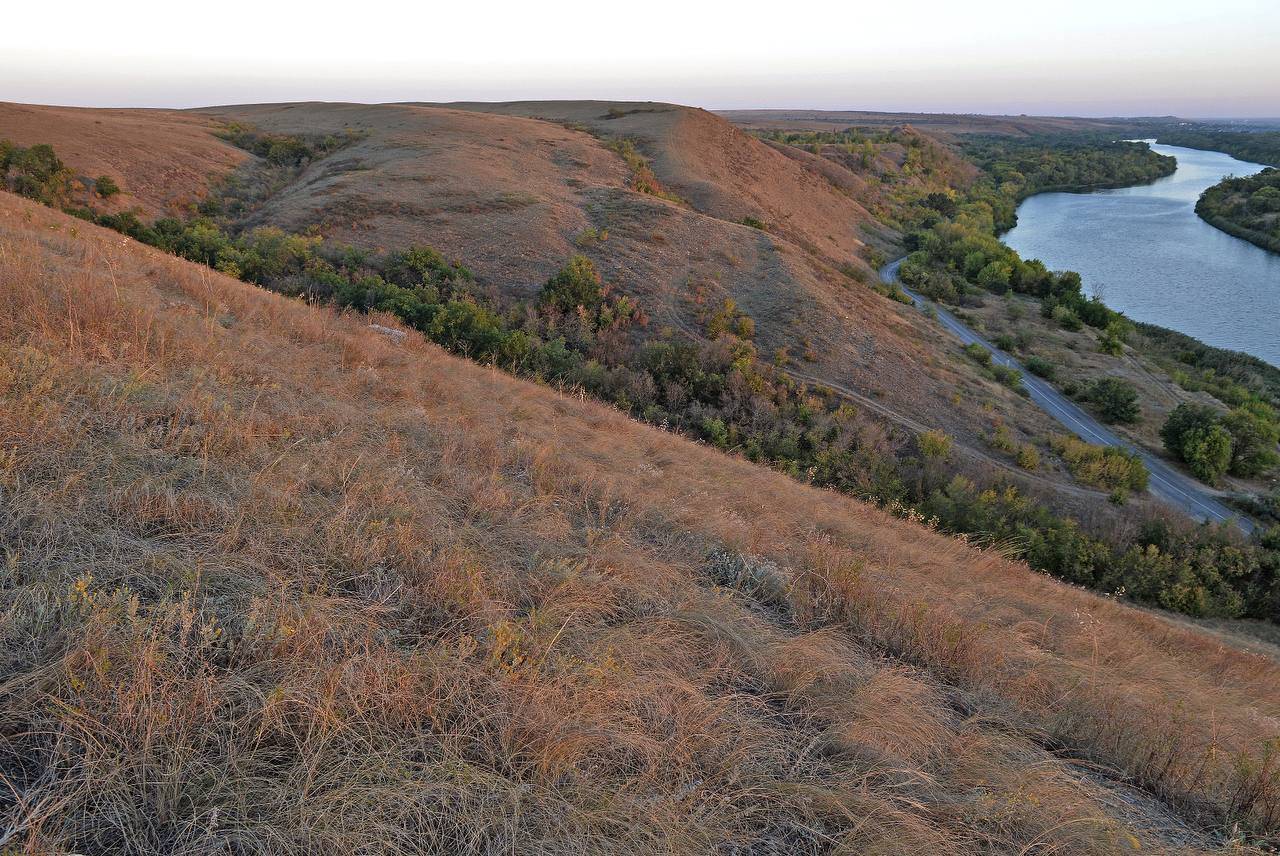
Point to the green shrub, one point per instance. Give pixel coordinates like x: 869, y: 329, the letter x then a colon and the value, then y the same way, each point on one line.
x: 1007, y: 375
x: 1194, y: 434
x: 978, y: 354
x: 1040, y: 367
x: 1112, y: 339
x: 1116, y: 400
x: 105, y: 186
x: 934, y: 445
x: 1065, y: 318
x: 1207, y: 452
x: 576, y: 284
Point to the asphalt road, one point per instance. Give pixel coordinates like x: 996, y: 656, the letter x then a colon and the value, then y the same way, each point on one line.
x: 1166, y: 483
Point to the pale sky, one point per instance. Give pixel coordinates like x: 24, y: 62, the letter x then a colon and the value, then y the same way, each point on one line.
x: 1087, y: 57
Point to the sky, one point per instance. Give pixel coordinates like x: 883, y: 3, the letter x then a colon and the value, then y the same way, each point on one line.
x: 1214, y: 58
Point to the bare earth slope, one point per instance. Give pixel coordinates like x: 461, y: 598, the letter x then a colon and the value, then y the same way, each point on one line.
x: 162, y: 159
x: 273, y: 583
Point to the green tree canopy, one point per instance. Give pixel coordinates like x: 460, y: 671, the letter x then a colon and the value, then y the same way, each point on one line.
x: 1115, y: 399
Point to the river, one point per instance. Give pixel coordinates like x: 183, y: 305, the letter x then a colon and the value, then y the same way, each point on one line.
x: 1147, y: 254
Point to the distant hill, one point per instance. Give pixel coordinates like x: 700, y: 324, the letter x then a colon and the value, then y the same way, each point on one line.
x: 940, y: 123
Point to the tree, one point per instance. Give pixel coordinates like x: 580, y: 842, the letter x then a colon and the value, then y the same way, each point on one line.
x: 1194, y: 434
x: 1207, y: 451
x: 994, y: 277
x: 577, y: 284
x: 1253, y: 442
x: 1184, y: 419
x: 1115, y: 399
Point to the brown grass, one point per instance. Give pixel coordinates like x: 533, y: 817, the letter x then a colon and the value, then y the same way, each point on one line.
x: 272, y: 583
x: 163, y: 160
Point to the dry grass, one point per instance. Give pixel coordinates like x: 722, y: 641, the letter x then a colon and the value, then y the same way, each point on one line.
x: 272, y: 583
x: 163, y: 160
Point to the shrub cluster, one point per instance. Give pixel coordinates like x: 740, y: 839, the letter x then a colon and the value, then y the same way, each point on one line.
x: 35, y: 172
x: 1107, y: 467
x: 1241, y: 442
x: 286, y: 150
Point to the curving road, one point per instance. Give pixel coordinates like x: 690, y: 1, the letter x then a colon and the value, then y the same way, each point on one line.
x: 1166, y: 483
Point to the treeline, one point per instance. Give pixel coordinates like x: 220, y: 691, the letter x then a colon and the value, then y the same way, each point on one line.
x: 576, y: 332
x: 1014, y: 169
x: 1248, y: 208
x: 1255, y: 146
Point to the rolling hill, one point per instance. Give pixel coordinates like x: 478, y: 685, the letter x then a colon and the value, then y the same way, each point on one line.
x: 163, y: 160
x: 513, y: 190
x: 277, y: 581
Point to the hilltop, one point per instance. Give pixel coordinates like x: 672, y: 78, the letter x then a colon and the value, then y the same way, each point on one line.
x: 275, y: 581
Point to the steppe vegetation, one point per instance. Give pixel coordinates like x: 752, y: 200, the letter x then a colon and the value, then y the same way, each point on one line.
x: 713, y: 385
x: 274, y: 582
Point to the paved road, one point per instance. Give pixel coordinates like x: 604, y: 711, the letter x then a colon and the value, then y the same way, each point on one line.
x: 1166, y: 483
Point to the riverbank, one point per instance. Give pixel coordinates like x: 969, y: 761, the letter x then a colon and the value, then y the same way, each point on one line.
x: 1145, y: 251
x: 1170, y: 485
x: 1247, y: 207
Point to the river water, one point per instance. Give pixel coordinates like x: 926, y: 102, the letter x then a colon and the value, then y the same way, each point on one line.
x: 1147, y: 254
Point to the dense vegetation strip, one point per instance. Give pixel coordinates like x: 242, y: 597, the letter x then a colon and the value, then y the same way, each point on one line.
x: 716, y: 388
x: 1248, y: 208
x: 1018, y: 168
x: 1255, y: 146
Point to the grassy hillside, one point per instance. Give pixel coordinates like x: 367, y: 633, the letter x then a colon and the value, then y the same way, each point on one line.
x: 731, y: 217
x: 163, y: 160
x: 276, y: 582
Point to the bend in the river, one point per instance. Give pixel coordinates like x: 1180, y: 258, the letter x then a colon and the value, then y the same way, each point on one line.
x: 1146, y: 252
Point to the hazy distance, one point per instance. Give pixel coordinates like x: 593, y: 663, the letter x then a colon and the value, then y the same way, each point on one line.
x: 1087, y: 58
